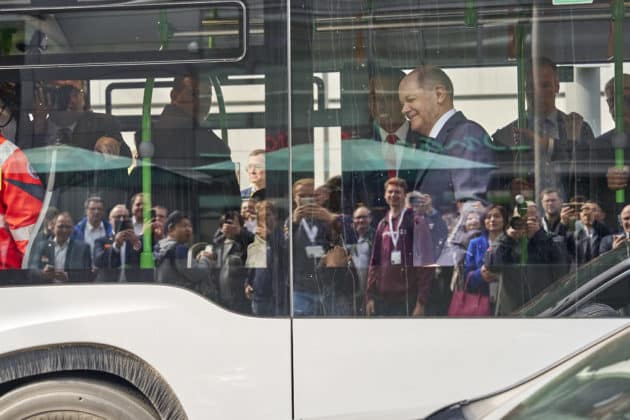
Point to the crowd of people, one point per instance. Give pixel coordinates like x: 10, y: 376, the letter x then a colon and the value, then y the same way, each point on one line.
x: 394, y: 240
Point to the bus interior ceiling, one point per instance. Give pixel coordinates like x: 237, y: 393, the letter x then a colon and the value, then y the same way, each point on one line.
x: 348, y: 40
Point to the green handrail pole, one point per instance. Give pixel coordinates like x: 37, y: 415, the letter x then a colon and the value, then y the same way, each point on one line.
x: 146, y: 257
x: 216, y: 85
x: 470, y: 13
x: 212, y: 13
x: 522, y: 116
x: 618, y: 15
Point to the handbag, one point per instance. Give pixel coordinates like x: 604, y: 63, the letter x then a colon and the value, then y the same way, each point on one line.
x: 466, y: 304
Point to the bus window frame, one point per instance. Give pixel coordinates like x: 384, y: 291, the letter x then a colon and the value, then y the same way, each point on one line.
x: 121, y: 7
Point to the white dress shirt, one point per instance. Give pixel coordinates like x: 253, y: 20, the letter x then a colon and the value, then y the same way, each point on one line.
x: 61, y: 252
x: 441, y: 122
x: 92, y: 234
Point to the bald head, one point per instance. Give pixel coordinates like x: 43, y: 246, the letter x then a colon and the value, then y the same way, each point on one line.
x: 624, y: 218
x: 118, y: 212
x: 425, y: 94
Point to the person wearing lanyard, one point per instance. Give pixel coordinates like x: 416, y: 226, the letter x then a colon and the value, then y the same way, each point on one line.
x: 312, y: 236
x: 394, y: 286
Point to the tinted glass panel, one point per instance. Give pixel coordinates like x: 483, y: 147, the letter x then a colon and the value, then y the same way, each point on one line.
x: 153, y: 174
x: 214, y: 32
x: 490, y: 124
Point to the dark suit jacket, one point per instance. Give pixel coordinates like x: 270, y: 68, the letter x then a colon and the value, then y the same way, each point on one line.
x: 77, y: 257
x: 367, y: 187
x: 581, y: 241
x: 259, y: 195
x: 602, y: 157
x: 511, y: 154
x: 105, y: 256
x: 460, y: 138
x: 180, y: 145
x: 89, y: 127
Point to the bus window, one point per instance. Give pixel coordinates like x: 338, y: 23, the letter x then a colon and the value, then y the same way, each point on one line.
x: 470, y: 168
x: 57, y: 36
x: 152, y: 172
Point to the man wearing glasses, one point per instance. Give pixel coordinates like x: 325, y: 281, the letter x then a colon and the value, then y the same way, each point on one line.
x: 257, y: 178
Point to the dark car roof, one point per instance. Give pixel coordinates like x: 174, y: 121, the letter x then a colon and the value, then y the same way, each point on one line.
x: 568, y: 290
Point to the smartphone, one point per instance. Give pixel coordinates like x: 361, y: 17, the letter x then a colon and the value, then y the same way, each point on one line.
x: 124, y: 224
x: 518, y: 223
x: 153, y: 216
x: 308, y: 200
x: 576, y: 206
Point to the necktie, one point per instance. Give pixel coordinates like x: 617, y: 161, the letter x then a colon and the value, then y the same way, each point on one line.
x: 588, y: 249
x: 391, y: 139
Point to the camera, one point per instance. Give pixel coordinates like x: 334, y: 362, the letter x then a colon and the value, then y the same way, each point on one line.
x: 518, y: 223
x: 124, y: 224
x: 576, y: 206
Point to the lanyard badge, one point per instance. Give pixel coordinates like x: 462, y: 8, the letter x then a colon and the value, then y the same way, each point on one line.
x: 396, y: 256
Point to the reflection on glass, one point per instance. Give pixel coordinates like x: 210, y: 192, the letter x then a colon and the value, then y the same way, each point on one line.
x: 490, y: 223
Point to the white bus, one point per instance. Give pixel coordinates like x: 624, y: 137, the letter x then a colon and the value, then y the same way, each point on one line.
x: 197, y: 224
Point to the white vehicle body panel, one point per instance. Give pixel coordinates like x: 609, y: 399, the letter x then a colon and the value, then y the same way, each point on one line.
x: 354, y: 367
x: 220, y: 365
x: 229, y: 366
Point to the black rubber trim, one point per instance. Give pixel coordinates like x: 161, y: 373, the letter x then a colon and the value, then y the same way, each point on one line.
x: 89, y: 357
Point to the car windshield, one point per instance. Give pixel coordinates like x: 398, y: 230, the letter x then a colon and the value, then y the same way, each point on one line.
x: 572, y: 281
x: 596, y: 388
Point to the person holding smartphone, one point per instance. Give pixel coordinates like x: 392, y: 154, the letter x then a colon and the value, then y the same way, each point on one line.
x: 122, y: 248
x: 619, y: 239
x: 547, y: 260
x: 57, y: 257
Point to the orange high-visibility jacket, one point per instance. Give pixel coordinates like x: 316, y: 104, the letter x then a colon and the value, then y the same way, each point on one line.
x: 21, y: 195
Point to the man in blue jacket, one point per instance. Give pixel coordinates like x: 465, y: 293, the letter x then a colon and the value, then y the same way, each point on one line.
x: 93, y: 225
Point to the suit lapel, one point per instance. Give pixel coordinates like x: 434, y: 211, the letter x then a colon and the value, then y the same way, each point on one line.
x: 66, y: 264
x: 441, y: 139
x: 50, y: 252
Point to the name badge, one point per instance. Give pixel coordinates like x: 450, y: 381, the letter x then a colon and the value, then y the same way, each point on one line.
x: 396, y: 258
x: 314, y: 251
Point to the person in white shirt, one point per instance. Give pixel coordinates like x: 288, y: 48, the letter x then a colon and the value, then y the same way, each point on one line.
x: 93, y: 225
x: 257, y: 176
x: 137, y: 207
x: 62, y: 254
x: 362, y: 249
x: 622, y: 237
x: 363, y: 185
x: 120, y: 250
x: 588, y: 238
